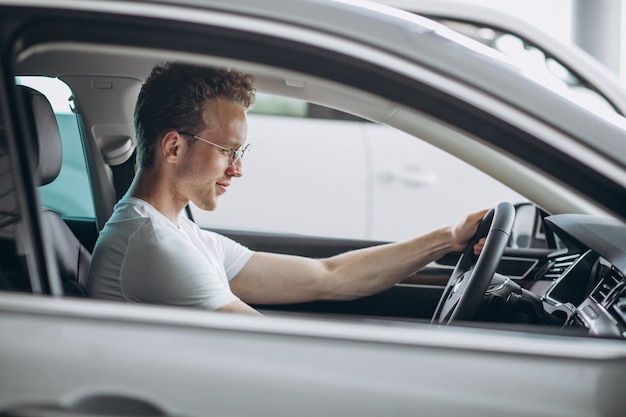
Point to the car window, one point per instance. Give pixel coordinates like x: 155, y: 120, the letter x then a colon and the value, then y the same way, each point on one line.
x: 535, y: 60
x: 273, y: 105
x: 70, y: 193
x: 296, y: 179
x: 336, y: 175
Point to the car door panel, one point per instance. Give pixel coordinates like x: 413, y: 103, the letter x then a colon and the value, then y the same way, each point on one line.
x: 177, y: 361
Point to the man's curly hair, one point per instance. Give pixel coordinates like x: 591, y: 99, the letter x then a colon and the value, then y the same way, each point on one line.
x: 175, y: 95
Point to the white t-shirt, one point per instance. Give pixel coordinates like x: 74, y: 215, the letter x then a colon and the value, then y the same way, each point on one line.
x: 141, y: 256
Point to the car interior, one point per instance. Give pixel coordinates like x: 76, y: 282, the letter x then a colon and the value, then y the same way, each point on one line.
x: 105, y: 81
x: 71, y: 257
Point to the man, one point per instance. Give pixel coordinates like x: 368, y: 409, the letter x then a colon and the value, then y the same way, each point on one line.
x: 191, y: 135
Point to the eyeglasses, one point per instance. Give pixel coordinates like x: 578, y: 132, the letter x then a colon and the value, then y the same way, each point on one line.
x: 235, y: 154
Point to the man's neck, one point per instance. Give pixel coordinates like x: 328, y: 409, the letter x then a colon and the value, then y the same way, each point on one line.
x: 147, y: 187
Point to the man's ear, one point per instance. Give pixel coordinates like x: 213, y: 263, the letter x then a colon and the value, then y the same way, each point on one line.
x: 170, y: 146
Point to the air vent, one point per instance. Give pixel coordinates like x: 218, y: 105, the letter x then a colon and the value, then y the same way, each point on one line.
x: 606, y: 289
x: 559, y: 265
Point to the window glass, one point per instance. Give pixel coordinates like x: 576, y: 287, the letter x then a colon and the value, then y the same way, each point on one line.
x: 302, y: 175
x: 417, y: 187
x: 279, y: 106
x: 267, y: 104
x: 70, y: 193
x: 535, y: 61
x: 348, y: 179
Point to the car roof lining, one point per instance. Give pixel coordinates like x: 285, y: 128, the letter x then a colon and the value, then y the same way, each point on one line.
x: 69, y: 59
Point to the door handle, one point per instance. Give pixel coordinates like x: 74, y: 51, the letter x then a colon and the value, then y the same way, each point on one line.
x: 409, y: 176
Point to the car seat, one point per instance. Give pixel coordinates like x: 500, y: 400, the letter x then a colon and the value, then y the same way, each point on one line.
x: 70, y: 255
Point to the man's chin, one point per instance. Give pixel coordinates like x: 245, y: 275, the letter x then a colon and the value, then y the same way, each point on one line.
x: 210, y: 206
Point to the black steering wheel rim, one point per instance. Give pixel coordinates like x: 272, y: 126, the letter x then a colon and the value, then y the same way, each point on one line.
x: 468, y: 283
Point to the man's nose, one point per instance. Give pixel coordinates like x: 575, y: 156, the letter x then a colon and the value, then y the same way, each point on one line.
x: 236, y: 169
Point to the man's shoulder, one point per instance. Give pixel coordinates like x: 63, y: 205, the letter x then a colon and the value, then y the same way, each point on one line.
x: 133, y: 213
x: 132, y: 222
x: 131, y: 207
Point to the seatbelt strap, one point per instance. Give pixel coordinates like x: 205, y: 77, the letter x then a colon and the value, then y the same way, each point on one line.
x: 123, y: 175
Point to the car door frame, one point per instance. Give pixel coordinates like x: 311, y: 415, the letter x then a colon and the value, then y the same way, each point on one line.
x: 42, y: 272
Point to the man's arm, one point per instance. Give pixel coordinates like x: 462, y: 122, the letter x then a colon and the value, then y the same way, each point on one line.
x: 277, y: 279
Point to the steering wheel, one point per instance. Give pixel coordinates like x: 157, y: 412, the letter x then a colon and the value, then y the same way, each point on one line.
x: 468, y: 283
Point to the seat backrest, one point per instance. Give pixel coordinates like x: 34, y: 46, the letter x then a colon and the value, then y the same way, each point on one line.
x: 71, y: 256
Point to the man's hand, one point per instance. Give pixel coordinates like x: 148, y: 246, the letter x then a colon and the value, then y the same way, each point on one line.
x: 478, y: 248
x: 465, y: 230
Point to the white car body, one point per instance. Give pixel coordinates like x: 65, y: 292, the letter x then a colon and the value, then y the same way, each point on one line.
x: 61, y: 356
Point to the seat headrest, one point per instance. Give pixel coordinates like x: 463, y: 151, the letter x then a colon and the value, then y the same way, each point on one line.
x: 45, y: 135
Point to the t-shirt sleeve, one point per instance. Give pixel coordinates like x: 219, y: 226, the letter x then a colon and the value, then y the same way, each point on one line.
x: 234, y: 254
x: 168, y: 269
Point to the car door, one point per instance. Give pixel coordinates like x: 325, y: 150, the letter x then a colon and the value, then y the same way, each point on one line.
x: 62, y: 356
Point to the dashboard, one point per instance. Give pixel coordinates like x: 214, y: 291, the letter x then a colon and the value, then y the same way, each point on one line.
x: 592, y: 287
